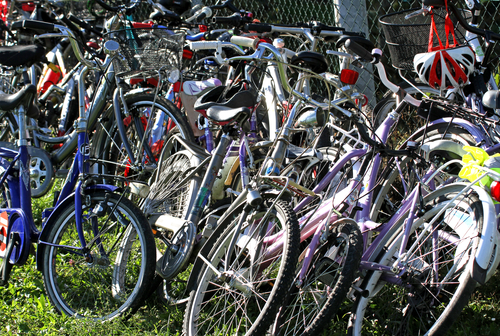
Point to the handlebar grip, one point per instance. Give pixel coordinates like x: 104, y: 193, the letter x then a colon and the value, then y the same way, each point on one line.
x: 245, y: 41
x: 359, y: 50
x: 204, y: 45
x: 32, y: 24
x: 259, y: 27
x: 234, y: 19
x: 201, y: 14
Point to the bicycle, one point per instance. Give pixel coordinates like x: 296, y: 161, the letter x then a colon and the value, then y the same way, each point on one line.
x: 95, y: 250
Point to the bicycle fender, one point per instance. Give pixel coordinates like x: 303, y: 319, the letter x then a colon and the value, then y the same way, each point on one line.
x: 476, y: 133
x: 486, y: 258
x: 55, y: 214
x: 442, y: 145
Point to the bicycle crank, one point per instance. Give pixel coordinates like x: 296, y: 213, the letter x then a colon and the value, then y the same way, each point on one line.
x: 180, y: 246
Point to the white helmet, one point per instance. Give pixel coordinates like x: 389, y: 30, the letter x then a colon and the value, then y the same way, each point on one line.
x: 445, y: 69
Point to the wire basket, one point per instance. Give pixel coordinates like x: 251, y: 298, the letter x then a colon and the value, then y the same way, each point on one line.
x: 406, y: 38
x: 147, y: 51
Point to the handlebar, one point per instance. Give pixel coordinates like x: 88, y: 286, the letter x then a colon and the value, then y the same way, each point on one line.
x: 488, y: 34
x: 235, y: 20
x: 245, y: 41
x: 205, y: 12
x: 315, y: 28
x: 226, y: 4
x: 85, y: 25
x: 50, y: 28
x: 360, y: 51
x: 32, y: 24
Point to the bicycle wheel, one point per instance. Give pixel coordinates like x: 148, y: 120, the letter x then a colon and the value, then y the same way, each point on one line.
x: 112, y: 278
x: 107, y: 146
x: 241, y: 289
x: 174, y: 190
x: 309, y: 307
x: 433, y: 284
x: 402, y: 174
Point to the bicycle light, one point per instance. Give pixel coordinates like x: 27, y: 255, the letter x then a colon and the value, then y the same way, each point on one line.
x: 111, y: 47
x: 348, y: 76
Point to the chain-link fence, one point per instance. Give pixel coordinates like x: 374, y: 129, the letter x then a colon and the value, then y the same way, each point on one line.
x: 353, y: 14
x: 327, y: 11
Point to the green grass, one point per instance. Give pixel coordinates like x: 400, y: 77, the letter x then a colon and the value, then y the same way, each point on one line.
x: 26, y: 310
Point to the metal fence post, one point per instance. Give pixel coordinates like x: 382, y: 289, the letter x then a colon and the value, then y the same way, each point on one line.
x: 351, y: 14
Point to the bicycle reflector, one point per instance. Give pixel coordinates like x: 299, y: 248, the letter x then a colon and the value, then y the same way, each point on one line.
x: 348, y: 76
x: 495, y: 190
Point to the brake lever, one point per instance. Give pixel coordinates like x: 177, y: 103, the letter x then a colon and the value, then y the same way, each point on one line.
x: 424, y: 11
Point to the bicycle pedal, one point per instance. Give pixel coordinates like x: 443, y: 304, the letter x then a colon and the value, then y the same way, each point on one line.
x: 5, y: 269
x: 6, y: 266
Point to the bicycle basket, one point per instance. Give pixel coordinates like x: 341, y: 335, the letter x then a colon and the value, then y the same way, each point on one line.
x: 146, y: 51
x: 406, y: 38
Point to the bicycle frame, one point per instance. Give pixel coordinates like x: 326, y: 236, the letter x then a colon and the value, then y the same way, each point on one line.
x: 23, y: 231
x: 316, y: 222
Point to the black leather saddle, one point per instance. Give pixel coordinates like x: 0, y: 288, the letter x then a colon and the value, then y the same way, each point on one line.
x: 311, y: 60
x: 224, y: 115
x: 9, y: 102
x: 21, y: 55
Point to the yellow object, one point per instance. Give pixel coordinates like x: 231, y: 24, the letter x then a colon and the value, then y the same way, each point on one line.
x: 479, y: 157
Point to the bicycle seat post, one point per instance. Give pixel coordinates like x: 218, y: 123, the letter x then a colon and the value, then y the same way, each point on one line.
x: 20, y: 112
x: 229, y: 133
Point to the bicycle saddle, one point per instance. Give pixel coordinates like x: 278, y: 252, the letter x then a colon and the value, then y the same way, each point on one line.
x: 314, y: 61
x: 365, y: 43
x: 234, y: 98
x: 25, y: 97
x: 224, y: 115
x: 21, y: 55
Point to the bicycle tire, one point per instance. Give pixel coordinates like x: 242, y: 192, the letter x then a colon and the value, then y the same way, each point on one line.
x: 107, y: 146
x: 415, y: 298
x: 115, y: 281
x: 269, y: 292
x: 309, y: 309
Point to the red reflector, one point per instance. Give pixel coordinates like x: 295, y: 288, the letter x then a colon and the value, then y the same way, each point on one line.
x: 495, y: 190
x: 152, y: 81
x: 187, y: 54
x: 364, y: 101
x: 142, y: 25
x: 177, y: 87
x: 134, y: 81
x: 28, y: 7
x: 348, y: 76
x: 93, y: 45
x: 203, y: 28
